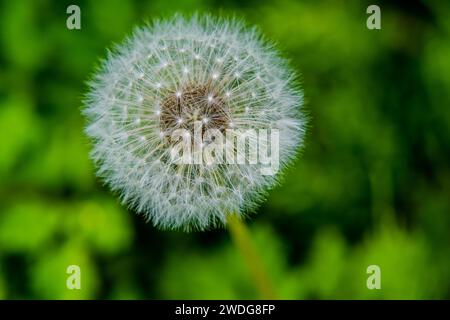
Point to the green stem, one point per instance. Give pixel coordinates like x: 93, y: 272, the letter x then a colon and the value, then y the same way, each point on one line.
x: 241, y: 238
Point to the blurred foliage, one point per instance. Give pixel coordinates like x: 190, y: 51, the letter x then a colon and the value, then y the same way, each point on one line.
x: 372, y: 185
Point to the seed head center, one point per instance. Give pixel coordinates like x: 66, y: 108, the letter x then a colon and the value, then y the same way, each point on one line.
x: 181, y: 109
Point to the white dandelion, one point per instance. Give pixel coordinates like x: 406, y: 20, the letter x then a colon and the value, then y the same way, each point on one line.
x: 169, y: 75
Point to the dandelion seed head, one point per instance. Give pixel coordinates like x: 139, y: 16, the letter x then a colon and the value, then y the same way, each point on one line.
x: 177, y: 84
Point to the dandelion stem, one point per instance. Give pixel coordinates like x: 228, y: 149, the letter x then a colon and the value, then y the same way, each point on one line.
x: 241, y: 238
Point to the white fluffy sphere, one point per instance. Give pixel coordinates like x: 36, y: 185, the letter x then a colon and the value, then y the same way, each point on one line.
x: 165, y: 77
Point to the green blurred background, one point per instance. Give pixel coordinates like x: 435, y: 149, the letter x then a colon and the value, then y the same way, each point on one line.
x: 372, y: 186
